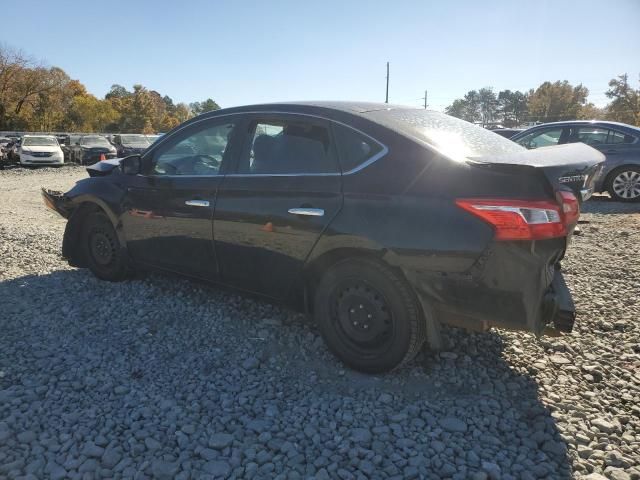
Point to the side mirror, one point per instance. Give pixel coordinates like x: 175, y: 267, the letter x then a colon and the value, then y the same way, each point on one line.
x: 131, y: 165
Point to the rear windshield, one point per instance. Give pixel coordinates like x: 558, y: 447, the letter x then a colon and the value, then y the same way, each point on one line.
x: 452, y: 137
x: 94, y: 141
x: 40, y: 141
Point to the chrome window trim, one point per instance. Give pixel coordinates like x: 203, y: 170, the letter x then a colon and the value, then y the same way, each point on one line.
x: 362, y: 166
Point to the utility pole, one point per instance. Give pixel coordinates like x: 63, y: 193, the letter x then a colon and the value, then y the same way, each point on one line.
x: 425, y: 100
x: 386, y: 98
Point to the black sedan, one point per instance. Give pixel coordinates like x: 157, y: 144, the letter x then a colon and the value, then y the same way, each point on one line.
x: 384, y: 222
x: 130, y: 144
x: 90, y: 149
x: 507, y: 132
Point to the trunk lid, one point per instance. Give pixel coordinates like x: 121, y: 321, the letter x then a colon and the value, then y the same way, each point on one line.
x: 575, y: 166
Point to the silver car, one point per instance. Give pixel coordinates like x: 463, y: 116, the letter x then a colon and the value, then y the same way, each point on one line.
x: 619, y: 142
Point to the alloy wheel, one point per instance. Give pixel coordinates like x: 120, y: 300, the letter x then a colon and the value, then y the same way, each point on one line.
x: 627, y: 184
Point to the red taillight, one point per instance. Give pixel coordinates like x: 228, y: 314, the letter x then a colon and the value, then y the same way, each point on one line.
x: 525, y: 220
x: 570, y: 207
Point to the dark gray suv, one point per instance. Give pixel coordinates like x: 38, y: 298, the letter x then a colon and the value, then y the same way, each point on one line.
x: 619, y: 142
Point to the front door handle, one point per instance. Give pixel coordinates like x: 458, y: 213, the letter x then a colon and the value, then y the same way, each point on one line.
x: 310, y: 212
x: 197, y: 203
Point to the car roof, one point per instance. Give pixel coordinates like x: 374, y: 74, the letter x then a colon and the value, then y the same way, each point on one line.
x: 39, y: 136
x: 344, y: 106
x: 603, y: 123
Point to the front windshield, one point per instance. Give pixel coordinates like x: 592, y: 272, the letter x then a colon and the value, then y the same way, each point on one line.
x: 40, y: 142
x: 134, y: 139
x: 101, y: 141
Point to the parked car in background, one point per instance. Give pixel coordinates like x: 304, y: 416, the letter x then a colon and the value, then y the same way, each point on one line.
x: 65, y: 144
x: 152, y: 138
x: 40, y: 150
x: 90, y: 149
x: 507, y: 132
x: 383, y: 221
x: 619, y: 142
x: 11, y: 149
x: 130, y: 144
x: 4, y: 141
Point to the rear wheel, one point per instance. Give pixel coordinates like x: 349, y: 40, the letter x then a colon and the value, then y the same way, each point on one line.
x: 368, y: 316
x: 624, y: 184
x: 101, y: 248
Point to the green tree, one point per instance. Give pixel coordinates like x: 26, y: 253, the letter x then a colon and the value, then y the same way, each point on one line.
x: 468, y: 108
x: 512, y: 107
x: 487, y: 103
x: 472, y: 107
x: 625, y: 101
x: 201, y: 107
x: 456, y: 109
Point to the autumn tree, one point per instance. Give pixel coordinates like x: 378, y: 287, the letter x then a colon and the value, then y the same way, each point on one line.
x: 552, y: 102
x: 35, y: 97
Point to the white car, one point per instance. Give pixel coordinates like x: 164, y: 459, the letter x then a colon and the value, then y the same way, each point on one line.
x: 40, y: 150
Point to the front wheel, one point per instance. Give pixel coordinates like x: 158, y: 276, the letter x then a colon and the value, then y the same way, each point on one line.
x: 624, y: 184
x: 101, y: 248
x: 368, y: 315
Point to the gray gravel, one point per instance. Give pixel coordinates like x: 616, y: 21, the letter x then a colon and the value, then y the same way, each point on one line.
x: 164, y: 378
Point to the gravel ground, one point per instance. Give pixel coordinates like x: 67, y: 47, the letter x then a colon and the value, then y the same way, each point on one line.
x: 165, y: 378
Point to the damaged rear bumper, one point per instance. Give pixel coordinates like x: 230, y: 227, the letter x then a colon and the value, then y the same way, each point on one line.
x: 559, y: 307
x: 513, y: 286
x: 57, y: 201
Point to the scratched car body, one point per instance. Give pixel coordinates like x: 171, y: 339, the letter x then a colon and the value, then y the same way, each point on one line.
x: 384, y: 222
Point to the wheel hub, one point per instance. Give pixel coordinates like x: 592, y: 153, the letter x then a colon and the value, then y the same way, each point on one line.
x: 363, y: 315
x: 102, y: 247
x: 627, y: 184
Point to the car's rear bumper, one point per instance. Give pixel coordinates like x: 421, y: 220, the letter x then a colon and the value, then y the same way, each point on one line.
x: 513, y: 286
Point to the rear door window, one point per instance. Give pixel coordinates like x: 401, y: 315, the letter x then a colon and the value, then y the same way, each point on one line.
x: 354, y: 148
x: 289, y: 145
x: 616, y: 137
x: 593, y: 135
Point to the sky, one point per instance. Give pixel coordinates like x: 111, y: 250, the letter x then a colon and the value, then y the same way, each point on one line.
x: 246, y: 52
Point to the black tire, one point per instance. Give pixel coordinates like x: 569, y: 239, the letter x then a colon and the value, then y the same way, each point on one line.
x: 101, y: 248
x: 368, y: 316
x: 623, y: 184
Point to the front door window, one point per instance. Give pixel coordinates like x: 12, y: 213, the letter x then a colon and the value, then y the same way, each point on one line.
x: 544, y: 138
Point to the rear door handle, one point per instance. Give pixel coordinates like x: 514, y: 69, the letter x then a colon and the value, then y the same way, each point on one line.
x: 310, y: 212
x: 197, y: 203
